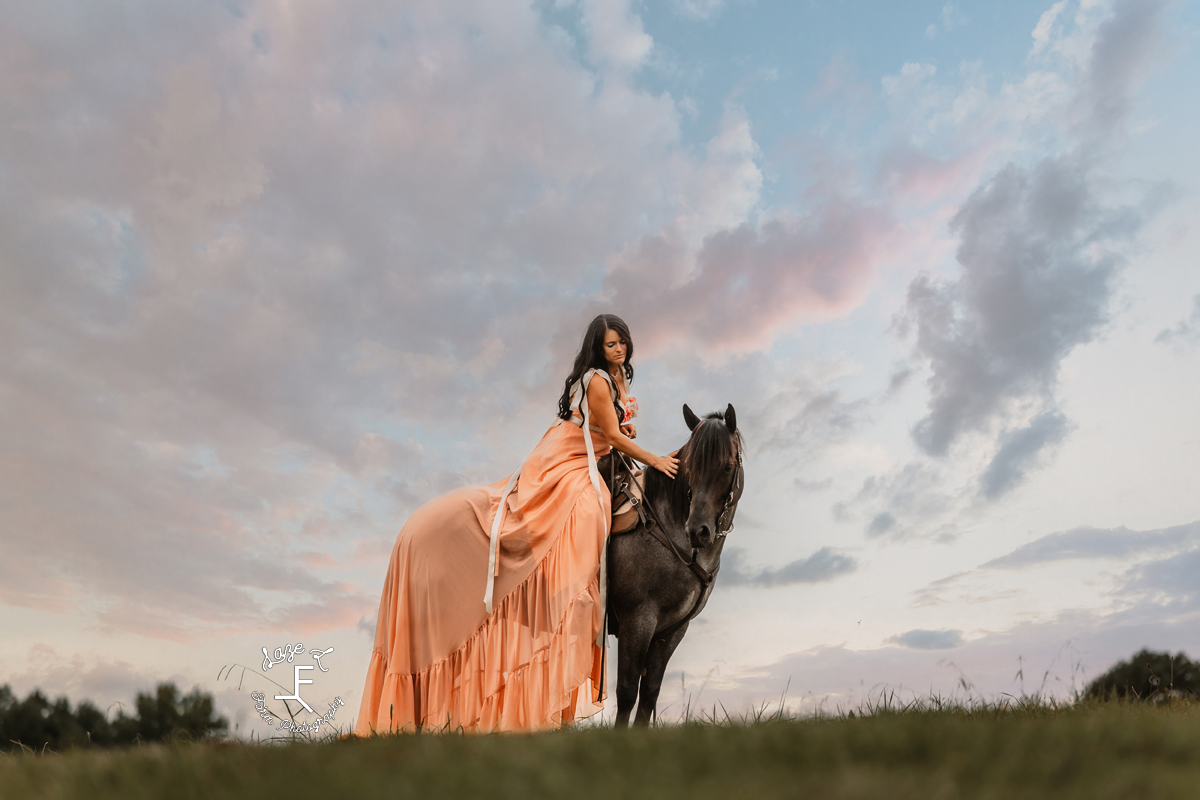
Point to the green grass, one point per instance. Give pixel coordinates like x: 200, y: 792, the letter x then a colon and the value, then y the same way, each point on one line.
x: 923, y: 750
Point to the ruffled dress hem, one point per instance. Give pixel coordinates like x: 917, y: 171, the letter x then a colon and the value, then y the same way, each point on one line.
x: 518, y: 671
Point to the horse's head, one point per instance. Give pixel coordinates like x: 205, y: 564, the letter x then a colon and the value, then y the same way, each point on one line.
x: 711, y: 463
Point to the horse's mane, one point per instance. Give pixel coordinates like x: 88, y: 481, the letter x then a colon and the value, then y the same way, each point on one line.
x: 709, y: 447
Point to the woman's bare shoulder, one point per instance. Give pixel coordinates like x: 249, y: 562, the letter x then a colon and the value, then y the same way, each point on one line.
x: 601, y: 386
x: 598, y: 376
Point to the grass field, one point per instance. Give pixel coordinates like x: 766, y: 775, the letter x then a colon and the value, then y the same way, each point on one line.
x: 1098, y: 750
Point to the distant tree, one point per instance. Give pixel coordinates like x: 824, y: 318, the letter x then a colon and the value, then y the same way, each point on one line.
x: 37, y: 723
x: 1147, y: 675
x: 95, y: 724
x: 165, y: 715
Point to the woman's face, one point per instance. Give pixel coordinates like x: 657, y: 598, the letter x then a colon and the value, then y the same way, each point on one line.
x: 614, y: 349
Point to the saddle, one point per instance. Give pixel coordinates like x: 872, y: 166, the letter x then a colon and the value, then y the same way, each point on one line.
x: 627, y: 501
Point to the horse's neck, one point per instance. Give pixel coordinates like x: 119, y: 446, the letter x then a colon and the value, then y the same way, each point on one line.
x: 664, y: 508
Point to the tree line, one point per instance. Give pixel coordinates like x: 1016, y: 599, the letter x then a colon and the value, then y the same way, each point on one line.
x: 38, y: 724
x: 1148, y: 676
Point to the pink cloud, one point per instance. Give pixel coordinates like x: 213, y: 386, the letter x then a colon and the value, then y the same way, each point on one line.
x: 748, y: 283
x: 914, y: 175
x: 315, y: 559
x: 339, y: 612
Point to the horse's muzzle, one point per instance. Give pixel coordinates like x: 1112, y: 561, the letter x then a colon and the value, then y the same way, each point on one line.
x: 701, y: 536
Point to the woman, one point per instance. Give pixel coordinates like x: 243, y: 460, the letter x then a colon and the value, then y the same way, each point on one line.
x: 492, y: 610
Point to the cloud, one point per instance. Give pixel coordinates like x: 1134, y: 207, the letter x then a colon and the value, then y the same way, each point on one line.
x: 902, y: 503
x: 1087, y: 542
x: 252, y: 287
x: 880, y: 524
x: 804, y: 419
x: 1018, y: 450
x: 617, y: 37
x: 1045, y: 26
x: 1034, y: 286
x: 950, y: 19
x: 255, y: 294
x: 1039, y: 250
x: 1126, y: 46
x: 1153, y: 584
x: 748, y: 283
x: 1168, y: 585
x: 919, y: 639
x: 1187, y: 332
x: 1041, y: 243
x: 823, y: 565
x: 839, y: 82
x: 699, y: 9
x: 933, y: 593
x: 920, y: 176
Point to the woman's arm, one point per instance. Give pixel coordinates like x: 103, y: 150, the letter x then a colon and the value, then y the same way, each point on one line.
x: 604, y: 417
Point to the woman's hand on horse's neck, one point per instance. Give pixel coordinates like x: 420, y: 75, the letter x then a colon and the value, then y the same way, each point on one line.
x: 604, y: 417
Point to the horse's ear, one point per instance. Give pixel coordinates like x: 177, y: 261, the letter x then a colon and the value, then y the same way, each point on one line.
x: 731, y: 419
x: 690, y: 418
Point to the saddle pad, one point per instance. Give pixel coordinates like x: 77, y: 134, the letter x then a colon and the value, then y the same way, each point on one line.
x: 625, y: 515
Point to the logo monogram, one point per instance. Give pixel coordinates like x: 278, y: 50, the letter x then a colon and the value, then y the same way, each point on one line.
x: 287, y: 654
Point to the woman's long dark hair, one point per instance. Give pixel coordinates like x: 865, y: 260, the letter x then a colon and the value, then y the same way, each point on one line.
x: 591, y: 356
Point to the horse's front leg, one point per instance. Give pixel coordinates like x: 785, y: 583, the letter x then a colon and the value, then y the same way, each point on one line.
x: 656, y: 666
x: 634, y: 640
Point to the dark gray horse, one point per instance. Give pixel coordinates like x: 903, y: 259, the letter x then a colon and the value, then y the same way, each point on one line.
x: 661, y: 572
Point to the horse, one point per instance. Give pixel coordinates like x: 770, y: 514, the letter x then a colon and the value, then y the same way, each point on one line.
x: 661, y: 572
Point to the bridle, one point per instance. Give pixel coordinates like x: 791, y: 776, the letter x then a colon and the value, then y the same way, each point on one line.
x: 649, y: 522
x: 725, y: 520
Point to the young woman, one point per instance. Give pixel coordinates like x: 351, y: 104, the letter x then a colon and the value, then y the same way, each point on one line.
x: 492, y: 610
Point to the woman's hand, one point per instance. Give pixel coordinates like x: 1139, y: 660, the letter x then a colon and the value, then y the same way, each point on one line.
x: 604, y: 417
x: 666, y: 464
x: 630, y: 430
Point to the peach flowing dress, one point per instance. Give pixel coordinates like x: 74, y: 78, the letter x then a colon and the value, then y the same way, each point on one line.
x: 441, y: 661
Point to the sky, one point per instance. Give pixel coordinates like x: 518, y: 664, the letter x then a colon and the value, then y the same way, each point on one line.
x: 272, y: 275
